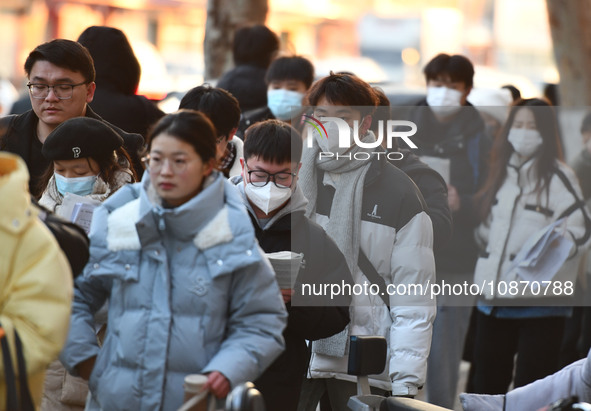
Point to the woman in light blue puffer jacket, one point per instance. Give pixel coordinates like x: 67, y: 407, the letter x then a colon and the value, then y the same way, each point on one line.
x: 190, y: 291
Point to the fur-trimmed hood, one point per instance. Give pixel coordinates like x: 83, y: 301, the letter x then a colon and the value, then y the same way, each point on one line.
x: 204, y: 220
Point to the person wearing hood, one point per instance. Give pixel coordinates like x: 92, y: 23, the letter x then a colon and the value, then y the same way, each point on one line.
x: 189, y: 289
x: 35, y: 288
x: 118, y: 73
x: 276, y: 205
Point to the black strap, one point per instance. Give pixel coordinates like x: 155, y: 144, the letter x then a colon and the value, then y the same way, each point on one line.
x: 11, y: 398
x: 372, y: 275
x: 12, y: 402
x: 578, y: 204
x: 26, y: 400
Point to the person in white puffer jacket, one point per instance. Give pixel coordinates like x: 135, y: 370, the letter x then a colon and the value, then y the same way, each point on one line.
x: 528, y: 188
x: 370, y: 208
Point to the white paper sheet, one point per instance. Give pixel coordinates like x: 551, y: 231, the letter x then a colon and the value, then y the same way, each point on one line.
x: 542, y: 255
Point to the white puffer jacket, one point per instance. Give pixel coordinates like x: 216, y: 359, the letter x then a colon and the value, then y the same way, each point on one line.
x: 518, y: 213
x: 397, y: 238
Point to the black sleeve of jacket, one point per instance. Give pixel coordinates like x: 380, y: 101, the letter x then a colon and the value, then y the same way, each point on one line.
x: 315, y: 317
x: 468, y: 214
x: 434, y: 191
x: 71, y: 239
x: 4, y: 126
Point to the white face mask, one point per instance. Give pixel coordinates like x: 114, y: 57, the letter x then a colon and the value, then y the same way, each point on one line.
x: 332, y: 143
x: 525, y: 141
x: 267, y: 198
x: 444, y: 101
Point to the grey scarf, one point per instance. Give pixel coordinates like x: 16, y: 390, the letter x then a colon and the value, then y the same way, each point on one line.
x: 345, y: 213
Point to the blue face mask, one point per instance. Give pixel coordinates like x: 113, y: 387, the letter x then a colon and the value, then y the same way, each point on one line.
x: 281, y: 102
x: 81, y: 186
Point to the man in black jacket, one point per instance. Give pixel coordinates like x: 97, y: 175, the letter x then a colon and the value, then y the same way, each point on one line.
x: 451, y: 131
x: 61, y: 84
x: 276, y: 205
x: 432, y: 186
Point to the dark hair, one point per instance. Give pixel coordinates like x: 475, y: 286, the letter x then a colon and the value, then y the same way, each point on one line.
x: 63, y: 53
x: 108, y: 168
x: 273, y: 141
x: 190, y: 126
x: 255, y: 45
x: 291, y: 68
x: 345, y: 89
x: 220, y: 106
x: 114, y: 60
x: 515, y: 93
x: 545, y: 159
x: 586, y: 123
x: 457, y: 67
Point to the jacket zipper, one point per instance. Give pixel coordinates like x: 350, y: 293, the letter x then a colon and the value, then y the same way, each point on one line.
x: 510, y: 225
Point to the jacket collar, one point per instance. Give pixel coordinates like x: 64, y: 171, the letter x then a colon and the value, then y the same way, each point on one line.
x: 185, y: 221
x: 138, y: 219
x: 522, y: 173
x: 467, y: 122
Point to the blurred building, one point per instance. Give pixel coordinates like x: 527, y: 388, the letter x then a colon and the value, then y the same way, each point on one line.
x: 383, y: 39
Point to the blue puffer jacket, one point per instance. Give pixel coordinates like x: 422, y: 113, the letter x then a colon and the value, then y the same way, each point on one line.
x: 189, y: 292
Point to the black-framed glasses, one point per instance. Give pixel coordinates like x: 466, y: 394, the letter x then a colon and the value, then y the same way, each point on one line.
x: 61, y: 91
x: 260, y: 178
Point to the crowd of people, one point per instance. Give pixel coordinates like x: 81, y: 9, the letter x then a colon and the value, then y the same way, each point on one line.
x: 186, y: 213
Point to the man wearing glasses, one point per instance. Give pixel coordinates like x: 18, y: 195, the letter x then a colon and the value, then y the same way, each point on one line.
x: 276, y: 205
x: 61, y: 84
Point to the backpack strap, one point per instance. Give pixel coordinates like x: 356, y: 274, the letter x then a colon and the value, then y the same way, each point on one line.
x: 12, y: 399
x: 372, y: 275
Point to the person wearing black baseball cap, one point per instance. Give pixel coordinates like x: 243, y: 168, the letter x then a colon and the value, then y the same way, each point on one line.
x: 88, y: 159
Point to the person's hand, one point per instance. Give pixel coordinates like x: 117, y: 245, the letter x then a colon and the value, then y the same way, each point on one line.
x: 453, y: 198
x: 217, y: 384
x: 286, y: 294
x: 85, y: 368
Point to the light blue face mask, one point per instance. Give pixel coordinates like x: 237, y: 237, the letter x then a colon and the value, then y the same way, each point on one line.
x: 81, y: 186
x: 281, y: 102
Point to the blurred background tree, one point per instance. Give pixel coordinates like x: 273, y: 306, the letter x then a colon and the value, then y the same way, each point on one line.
x: 223, y: 18
x: 570, y: 25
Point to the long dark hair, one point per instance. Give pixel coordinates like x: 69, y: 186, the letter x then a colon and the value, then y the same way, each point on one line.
x: 545, y: 158
x: 108, y: 168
